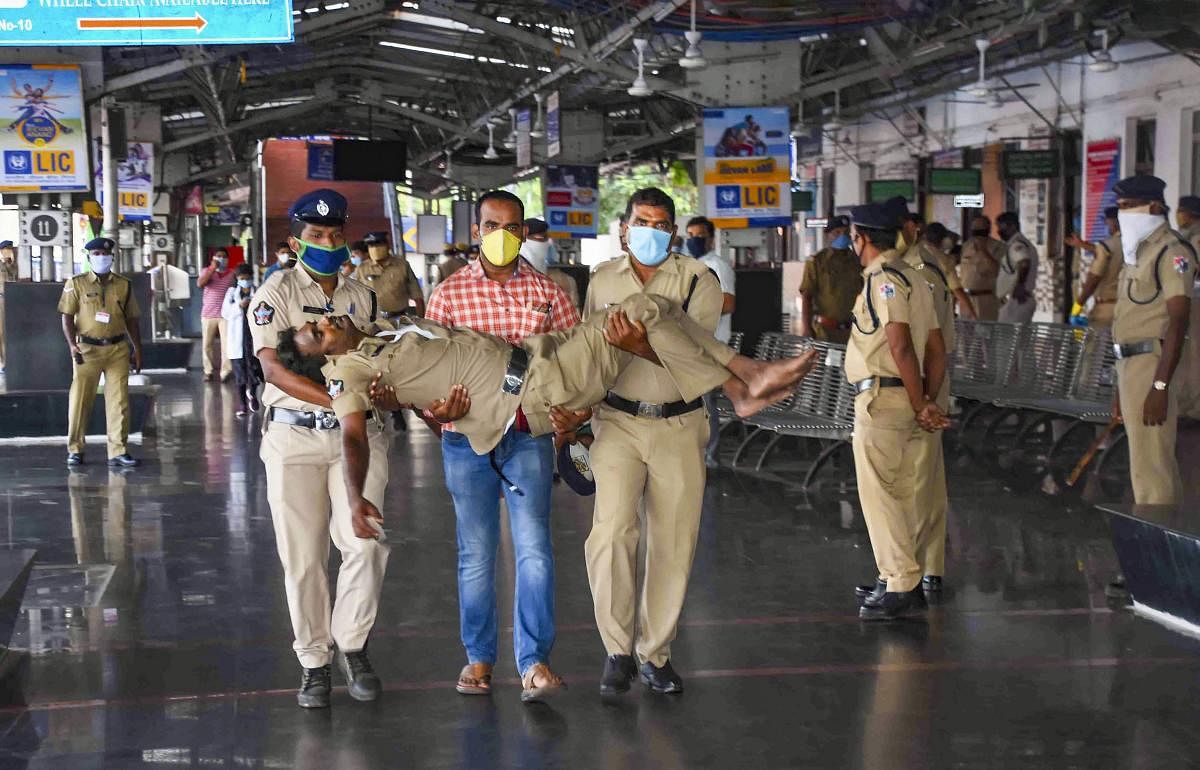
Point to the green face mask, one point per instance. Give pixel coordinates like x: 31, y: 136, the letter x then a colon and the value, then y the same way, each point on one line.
x: 321, y: 260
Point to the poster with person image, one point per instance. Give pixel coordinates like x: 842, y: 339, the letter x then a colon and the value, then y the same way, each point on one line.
x: 43, y: 136
x: 747, y: 166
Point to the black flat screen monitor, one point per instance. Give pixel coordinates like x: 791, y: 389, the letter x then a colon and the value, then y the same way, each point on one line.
x: 369, y: 161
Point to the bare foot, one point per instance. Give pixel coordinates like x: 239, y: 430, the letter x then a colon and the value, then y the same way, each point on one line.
x: 770, y: 376
x: 745, y: 404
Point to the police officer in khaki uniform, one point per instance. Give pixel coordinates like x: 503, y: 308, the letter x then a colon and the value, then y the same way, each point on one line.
x: 302, y: 453
x: 649, y: 445
x: 1018, y: 271
x: 1154, y: 299
x: 896, y: 361
x: 929, y: 245
x: 390, y: 277
x: 8, y: 272
x: 1102, y: 274
x: 979, y: 267
x: 100, y: 321
x: 832, y: 278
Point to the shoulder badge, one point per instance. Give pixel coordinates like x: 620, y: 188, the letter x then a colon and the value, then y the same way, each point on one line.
x: 263, y: 314
x: 887, y: 290
x: 335, y: 388
x: 1181, y: 264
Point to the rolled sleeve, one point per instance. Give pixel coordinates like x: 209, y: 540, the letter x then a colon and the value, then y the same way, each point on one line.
x: 1099, y: 266
x: 1177, y: 272
x: 347, y: 381
x: 68, y: 304
x: 891, y: 300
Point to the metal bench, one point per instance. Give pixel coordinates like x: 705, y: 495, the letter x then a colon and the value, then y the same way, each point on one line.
x: 982, y: 364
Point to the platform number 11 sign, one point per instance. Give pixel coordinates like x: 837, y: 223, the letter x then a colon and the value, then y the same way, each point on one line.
x: 46, y: 228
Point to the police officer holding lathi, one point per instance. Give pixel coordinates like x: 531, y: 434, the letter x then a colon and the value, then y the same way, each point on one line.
x: 302, y: 454
x: 832, y: 279
x: 896, y: 360
x: 1154, y: 301
x: 100, y: 321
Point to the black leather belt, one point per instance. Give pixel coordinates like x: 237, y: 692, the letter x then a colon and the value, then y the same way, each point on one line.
x: 978, y: 292
x: 304, y: 419
x: 1132, y: 349
x: 862, y: 386
x: 643, y: 409
x: 101, y: 341
x: 514, y: 376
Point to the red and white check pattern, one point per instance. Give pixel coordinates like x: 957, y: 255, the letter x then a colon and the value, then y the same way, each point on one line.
x: 529, y: 303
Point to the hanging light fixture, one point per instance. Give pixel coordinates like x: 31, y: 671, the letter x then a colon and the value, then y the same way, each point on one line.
x: 490, y: 153
x: 539, y: 125
x: 510, y: 141
x: 693, y: 59
x: 835, y: 123
x: 640, y: 87
x: 1102, y: 60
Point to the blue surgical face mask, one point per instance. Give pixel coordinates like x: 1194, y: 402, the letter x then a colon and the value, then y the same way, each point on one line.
x: 245, y: 283
x: 696, y: 246
x: 841, y: 242
x: 320, y: 260
x: 649, y: 245
x: 356, y: 261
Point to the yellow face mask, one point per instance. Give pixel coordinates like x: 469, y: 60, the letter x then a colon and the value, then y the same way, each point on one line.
x: 500, y: 247
x: 378, y: 251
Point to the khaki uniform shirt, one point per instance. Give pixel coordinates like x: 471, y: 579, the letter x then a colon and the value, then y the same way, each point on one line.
x: 1107, y: 265
x: 940, y: 289
x: 1018, y: 250
x: 102, y: 309
x: 977, y: 272
x: 894, y: 300
x: 291, y: 299
x: 393, y: 282
x: 1141, y: 311
x: 1191, y: 234
x: 832, y: 279
x: 615, y: 280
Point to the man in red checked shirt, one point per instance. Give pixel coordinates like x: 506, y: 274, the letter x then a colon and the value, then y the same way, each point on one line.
x: 501, y: 294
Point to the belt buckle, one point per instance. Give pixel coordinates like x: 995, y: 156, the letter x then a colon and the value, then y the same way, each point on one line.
x: 323, y: 420
x: 649, y: 410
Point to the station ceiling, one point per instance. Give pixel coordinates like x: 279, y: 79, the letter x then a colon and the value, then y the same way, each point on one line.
x: 436, y: 72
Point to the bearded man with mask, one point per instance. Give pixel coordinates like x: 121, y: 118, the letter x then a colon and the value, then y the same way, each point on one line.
x: 391, y: 278
x: 503, y: 295
x: 1150, y: 322
x: 302, y: 454
x: 100, y: 321
x: 649, y: 445
x: 539, y: 251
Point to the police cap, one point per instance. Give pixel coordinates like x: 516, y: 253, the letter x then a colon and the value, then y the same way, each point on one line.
x: 99, y: 244
x: 320, y: 207
x: 839, y: 220
x: 537, y: 226
x: 375, y: 238
x: 1110, y: 212
x: 575, y: 469
x: 1188, y: 203
x: 6, y: 245
x: 1143, y: 188
x: 876, y: 216
x: 897, y: 207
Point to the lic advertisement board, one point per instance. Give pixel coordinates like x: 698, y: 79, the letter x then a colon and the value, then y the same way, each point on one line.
x: 747, y: 166
x: 135, y: 183
x: 144, y: 22
x: 572, y: 201
x: 43, y: 139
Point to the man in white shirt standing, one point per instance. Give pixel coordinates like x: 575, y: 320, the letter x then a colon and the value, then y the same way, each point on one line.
x: 701, y: 243
x: 1018, y: 272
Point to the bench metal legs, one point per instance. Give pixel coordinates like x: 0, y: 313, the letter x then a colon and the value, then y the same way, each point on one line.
x: 826, y: 454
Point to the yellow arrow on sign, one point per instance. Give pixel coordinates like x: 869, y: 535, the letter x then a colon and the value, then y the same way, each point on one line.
x: 410, y: 237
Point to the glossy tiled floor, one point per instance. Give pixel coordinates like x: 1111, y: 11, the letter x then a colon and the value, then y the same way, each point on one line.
x: 159, y: 636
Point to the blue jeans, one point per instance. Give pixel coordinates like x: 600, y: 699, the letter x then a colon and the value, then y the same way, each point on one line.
x: 528, y: 463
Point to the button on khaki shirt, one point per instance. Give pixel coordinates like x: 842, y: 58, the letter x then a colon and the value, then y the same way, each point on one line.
x: 615, y: 280
x: 1141, y: 311
x: 291, y: 298
x: 393, y: 282
x: 978, y: 273
x: 894, y: 299
x: 91, y: 300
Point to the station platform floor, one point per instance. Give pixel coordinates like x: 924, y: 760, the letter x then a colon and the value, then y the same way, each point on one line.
x: 158, y: 633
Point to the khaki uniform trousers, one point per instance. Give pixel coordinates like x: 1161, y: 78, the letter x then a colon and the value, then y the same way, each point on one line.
x: 113, y: 362
x: 987, y: 306
x: 1153, y: 468
x: 210, y: 349
x: 307, y: 494
x: 931, y: 502
x: 661, y: 460
x: 887, y: 443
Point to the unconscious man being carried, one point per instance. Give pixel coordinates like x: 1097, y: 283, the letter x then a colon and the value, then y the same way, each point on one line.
x: 571, y: 369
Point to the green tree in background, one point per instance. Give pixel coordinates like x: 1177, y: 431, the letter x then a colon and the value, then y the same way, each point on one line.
x: 616, y: 188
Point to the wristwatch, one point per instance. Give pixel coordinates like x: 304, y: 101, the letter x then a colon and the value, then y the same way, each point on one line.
x: 1160, y: 385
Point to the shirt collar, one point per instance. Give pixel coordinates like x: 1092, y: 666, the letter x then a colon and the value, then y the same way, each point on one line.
x: 475, y: 270
x: 307, y: 280
x: 669, y: 265
x: 880, y: 260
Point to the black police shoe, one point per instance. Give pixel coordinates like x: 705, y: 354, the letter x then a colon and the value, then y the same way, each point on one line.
x: 662, y: 679
x: 619, y: 671
x: 863, y: 591
x: 361, y: 678
x: 892, y: 605
x: 74, y: 458
x: 124, y: 461
x: 314, y: 688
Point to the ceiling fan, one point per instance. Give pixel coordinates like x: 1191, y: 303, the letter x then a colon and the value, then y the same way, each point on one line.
x: 981, y: 88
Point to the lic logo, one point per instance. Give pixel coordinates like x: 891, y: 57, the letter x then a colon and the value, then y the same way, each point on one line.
x: 729, y: 196
x: 17, y: 161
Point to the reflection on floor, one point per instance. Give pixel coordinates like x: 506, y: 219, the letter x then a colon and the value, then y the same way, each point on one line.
x: 160, y: 638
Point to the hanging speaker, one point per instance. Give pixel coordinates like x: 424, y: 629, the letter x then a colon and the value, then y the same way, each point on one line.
x: 118, y: 133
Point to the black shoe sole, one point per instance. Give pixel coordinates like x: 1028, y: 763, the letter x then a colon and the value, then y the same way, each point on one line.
x: 671, y: 690
x: 313, y: 703
x: 886, y: 618
x: 610, y: 689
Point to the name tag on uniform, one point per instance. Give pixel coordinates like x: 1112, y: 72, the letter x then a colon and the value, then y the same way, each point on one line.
x: 102, y: 316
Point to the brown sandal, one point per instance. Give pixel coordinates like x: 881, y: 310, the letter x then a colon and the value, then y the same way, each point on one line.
x: 475, y: 679
x: 551, y: 684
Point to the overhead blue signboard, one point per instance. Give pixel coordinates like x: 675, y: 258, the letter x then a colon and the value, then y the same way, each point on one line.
x: 320, y: 161
x: 144, y: 22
